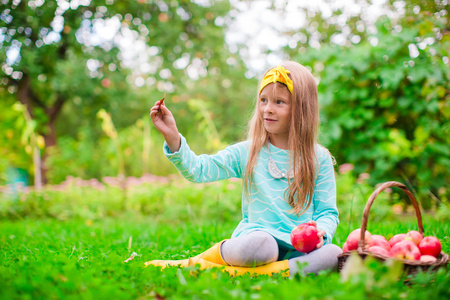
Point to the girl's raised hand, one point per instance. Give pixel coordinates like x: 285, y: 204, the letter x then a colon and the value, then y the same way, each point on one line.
x: 164, y: 121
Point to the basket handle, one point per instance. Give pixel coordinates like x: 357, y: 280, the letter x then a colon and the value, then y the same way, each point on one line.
x: 372, y: 197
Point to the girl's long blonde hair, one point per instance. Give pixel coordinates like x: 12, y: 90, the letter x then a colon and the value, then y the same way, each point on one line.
x: 302, y: 138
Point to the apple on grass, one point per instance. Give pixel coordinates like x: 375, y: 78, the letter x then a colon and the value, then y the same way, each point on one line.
x: 405, y: 250
x: 353, y: 239
x: 430, y: 245
x: 304, y: 237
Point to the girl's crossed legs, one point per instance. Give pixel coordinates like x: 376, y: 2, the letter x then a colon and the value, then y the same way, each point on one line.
x: 259, y: 248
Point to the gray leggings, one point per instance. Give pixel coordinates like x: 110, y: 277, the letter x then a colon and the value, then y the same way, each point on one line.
x: 259, y: 248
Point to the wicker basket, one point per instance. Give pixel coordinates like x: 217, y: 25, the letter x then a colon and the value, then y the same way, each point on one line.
x: 410, y: 266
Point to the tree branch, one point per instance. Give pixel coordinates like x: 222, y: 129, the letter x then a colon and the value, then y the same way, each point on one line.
x: 26, y: 95
x: 53, y: 112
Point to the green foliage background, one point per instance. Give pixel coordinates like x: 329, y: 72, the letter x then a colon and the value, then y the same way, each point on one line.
x: 387, y: 112
x: 384, y: 89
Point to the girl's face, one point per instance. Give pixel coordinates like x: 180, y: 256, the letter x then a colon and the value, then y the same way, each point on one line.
x: 275, y: 108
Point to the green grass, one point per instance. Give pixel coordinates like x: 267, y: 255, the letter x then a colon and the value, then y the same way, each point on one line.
x: 71, y: 244
x: 46, y: 259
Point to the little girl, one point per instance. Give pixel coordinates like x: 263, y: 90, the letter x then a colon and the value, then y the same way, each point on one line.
x: 288, y: 179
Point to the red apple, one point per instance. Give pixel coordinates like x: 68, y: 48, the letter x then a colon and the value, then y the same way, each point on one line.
x: 427, y: 258
x: 405, y: 250
x: 345, y: 247
x: 396, y: 238
x: 380, y: 241
x: 304, y: 237
x: 430, y: 245
x: 377, y: 236
x: 414, y: 236
x: 379, y: 250
x: 353, y: 239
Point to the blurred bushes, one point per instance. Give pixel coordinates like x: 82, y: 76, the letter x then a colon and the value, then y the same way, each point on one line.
x: 167, y: 200
x: 89, y: 157
x: 385, y: 103
x: 176, y: 200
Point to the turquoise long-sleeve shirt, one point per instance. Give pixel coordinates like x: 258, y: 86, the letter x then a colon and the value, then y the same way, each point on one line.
x: 266, y: 208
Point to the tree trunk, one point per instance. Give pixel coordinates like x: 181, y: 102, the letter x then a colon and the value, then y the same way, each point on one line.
x: 37, y: 167
x: 50, y: 140
x: 50, y: 137
x: 26, y: 97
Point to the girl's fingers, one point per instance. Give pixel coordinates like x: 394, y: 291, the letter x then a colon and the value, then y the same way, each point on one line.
x: 156, y: 108
x: 153, y: 111
x: 312, y: 223
x: 320, y: 244
x: 320, y: 235
x: 165, y: 110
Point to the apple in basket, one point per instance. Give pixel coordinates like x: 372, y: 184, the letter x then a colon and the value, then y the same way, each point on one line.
x: 345, y: 247
x: 380, y: 241
x: 378, y: 250
x: 430, y: 245
x: 377, y: 236
x: 304, y: 237
x: 427, y: 258
x: 353, y: 239
x: 414, y: 236
x: 397, y: 238
x: 405, y: 250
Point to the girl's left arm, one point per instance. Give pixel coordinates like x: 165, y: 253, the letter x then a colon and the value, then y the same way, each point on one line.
x: 326, y: 213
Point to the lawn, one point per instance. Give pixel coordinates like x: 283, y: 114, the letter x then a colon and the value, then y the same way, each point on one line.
x: 63, y: 252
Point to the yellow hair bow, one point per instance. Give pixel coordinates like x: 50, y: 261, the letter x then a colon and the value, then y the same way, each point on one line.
x: 277, y: 74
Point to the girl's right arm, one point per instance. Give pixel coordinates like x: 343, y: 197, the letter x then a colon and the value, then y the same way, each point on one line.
x: 203, y: 168
x: 165, y: 123
x: 227, y: 163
